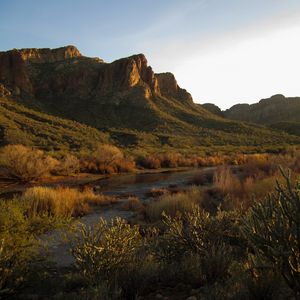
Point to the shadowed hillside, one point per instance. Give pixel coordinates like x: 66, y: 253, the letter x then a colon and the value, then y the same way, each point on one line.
x: 19, y: 125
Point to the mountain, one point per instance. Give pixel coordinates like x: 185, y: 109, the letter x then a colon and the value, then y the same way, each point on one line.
x: 125, y: 98
x: 213, y: 109
x: 278, y: 112
x: 267, y: 111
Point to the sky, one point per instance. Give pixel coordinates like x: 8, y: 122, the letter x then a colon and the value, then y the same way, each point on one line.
x: 222, y: 51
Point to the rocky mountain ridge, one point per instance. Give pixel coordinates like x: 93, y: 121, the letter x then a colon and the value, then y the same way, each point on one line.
x: 277, y: 108
x: 125, y: 95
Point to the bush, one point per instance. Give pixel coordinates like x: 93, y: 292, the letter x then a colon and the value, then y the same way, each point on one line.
x: 26, y: 164
x: 272, y: 229
x: 68, y: 165
x: 105, y: 248
x: 18, y: 246
x: 61, y: 201
x: 107, y: 159
x: 107, y: 155
x: 201, y: 238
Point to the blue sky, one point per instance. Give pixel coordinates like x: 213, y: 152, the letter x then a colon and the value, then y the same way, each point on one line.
x: 222, y: 51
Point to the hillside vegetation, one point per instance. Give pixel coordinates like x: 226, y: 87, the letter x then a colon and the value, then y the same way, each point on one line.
x: 20, y: 125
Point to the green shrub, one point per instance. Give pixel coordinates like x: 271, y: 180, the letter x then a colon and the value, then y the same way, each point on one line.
x: 18, y: 246
x: 198, y: 234
x: 272, y: 228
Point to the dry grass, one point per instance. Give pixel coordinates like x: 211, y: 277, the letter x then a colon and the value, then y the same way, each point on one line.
x: 224, y: 180
x: 61, y: 201
x: 25, y: 164
x: 173, y: 204
x: 133, y: 204
x: 157, y: 192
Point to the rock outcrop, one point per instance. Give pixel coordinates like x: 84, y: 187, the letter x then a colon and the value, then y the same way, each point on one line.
x: 47, y: 55
x: 169, y: 88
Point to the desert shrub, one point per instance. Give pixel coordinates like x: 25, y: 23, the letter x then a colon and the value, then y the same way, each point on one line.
x: 18, y: 246
x: 101, y: 251
x: 272, y: 229
x: 195, y: 231
x: 172, y: 204
x: 149, y: 162
x: 61, y: 201
x: 107, y: 159
x: 170, y: 160
x: 125, y: 165
x: 68, y: 165
x: 261, y: 282
x: 107, y: 155
x: 26, y: 164
x: 198, y: 235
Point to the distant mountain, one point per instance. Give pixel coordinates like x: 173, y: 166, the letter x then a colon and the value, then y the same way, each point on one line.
x: 267, y: 111
x: 124, y: 98
x: 213, y: 109
x: 277, y: 112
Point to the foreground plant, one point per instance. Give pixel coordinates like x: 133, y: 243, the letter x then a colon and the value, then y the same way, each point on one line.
x: 103, y: 250
x: 272, y: 228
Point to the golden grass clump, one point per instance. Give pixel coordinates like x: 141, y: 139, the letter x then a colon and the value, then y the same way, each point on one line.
x: 61, y: 201
x: 172, y: 204
x: 224, y: 180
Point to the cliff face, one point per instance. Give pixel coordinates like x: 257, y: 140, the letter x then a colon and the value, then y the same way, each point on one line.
x: 64, y: 82
x: 22, y: 73
x: 169, y: 87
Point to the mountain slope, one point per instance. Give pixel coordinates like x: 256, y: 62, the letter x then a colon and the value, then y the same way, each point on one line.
x: 125, y: 98
x: 20, y: 125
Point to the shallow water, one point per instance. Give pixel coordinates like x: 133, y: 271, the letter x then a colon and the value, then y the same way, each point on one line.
x: 139, y: 184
